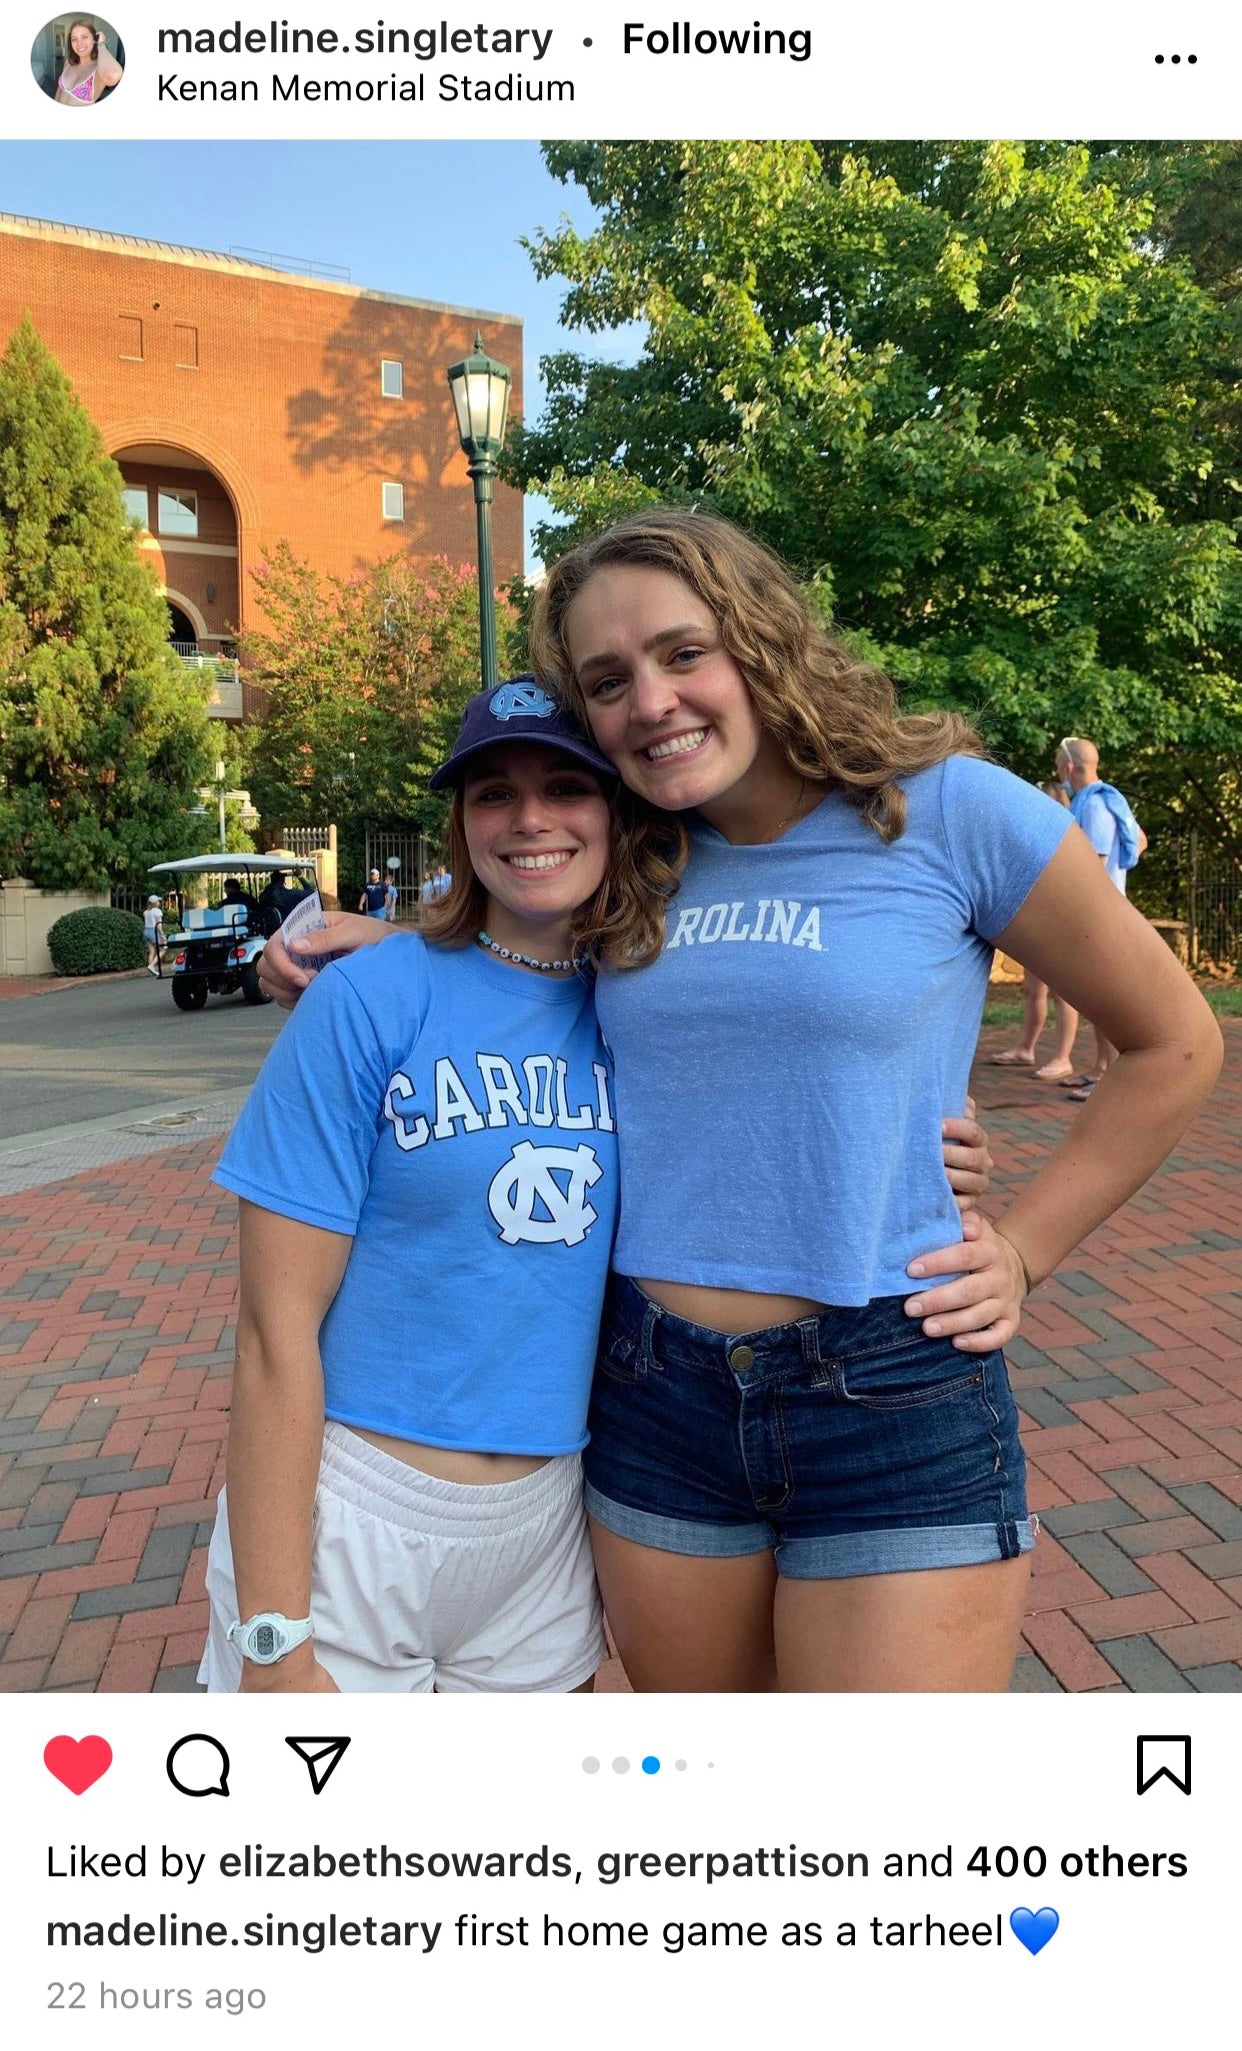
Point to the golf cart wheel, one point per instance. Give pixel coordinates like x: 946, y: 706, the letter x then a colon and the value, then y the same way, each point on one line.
x: 252, y: 990
x: 189, y: 992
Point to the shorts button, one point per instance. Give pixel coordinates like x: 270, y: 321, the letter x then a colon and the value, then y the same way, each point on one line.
x: 741, y: 1358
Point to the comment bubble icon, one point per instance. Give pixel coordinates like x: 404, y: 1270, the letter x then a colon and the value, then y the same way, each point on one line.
x: 198, y: 1765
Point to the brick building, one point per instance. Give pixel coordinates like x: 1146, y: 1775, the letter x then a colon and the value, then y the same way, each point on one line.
x: 246, y: 405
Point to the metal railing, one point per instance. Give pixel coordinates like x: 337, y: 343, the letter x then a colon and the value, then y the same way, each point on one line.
x: 304, y: 840
x: 301, y: 266
x: 410, y: 851
x: 1199, y: 885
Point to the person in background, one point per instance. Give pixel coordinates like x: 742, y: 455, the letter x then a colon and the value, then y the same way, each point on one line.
x: 374, y: 896
x: 1035, y: 993
x: 390, y: 897
x: 276, y: 901
x: 437, y: 884
x: 1118, y: 839
x: 153, y: 934
x: 233, y: 894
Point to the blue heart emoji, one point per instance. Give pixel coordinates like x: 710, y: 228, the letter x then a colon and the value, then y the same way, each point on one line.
x: 1034, y: 1927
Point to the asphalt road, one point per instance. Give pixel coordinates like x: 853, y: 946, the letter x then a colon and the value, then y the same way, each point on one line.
x: 71, y: 1055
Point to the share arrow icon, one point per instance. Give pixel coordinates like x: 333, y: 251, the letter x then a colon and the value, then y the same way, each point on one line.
x: 321, y: 1756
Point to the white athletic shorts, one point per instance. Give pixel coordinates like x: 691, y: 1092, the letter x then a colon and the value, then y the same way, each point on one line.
x: 420, y: 1585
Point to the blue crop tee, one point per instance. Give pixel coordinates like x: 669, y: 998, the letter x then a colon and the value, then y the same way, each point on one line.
x: 453, y: 1115
x: 783, y: 1067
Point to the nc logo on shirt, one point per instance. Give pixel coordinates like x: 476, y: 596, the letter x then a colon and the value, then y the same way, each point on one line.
x: 523, y: 700
x: 529, y: 1203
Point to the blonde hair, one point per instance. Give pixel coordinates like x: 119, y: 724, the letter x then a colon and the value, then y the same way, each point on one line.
x: 622, y: 923
x: 835, y: 719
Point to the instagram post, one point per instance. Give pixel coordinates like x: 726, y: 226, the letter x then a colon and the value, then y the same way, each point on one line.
x: 621, y: 880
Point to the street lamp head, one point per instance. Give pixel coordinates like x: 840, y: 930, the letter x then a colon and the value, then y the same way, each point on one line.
x: 480, y: 388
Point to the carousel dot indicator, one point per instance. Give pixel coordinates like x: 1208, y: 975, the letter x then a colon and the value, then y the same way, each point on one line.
x: 651, y: 1764
x: 620, y: 1765
x: 680, y: 1765
x: 590, y: 1766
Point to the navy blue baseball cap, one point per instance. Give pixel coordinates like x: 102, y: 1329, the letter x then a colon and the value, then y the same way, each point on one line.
x: 520, y: 710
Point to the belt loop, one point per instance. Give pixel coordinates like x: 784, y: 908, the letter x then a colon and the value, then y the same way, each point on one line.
x: 651, y: 1318
x: 809, y: 1328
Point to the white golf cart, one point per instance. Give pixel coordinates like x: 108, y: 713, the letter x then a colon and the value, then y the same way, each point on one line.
x: 218, y: 946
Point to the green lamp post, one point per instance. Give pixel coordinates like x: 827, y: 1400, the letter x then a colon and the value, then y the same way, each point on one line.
x: 480, y: 388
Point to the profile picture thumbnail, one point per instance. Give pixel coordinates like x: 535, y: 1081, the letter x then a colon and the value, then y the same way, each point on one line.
x: 77, y: 59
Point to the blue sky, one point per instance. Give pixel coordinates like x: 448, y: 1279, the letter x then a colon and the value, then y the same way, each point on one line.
x: 436, y: 220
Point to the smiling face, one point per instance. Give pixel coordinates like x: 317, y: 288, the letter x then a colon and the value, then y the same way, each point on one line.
x: 537, y: 826
x: 668, y: 703
x: 82, y: 43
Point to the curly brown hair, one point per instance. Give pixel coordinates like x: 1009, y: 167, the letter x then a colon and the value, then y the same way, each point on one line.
x: 835, y: 719
x: 623, y: 923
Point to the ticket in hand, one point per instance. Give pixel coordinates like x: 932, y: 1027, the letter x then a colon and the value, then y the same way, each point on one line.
x: 306, y: 917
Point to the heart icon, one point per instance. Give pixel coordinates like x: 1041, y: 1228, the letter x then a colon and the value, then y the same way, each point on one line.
x: 1034, y: 1927
x: 78, y: 1762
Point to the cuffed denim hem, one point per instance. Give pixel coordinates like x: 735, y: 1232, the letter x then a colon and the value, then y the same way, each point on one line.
x: 678, y: 1534
x: 842, y: 1556
x: 851, y: 1554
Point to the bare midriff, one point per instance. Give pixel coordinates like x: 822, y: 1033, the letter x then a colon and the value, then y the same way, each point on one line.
x: 728, y: 1310
x: 447, y: 1463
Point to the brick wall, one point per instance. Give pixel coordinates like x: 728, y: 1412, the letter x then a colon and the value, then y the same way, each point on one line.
x: 270, y: 384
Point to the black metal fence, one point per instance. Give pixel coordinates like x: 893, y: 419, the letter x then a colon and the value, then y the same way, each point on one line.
x: 409, y: 851
x: 1186, y: 880
x: 303, y: 840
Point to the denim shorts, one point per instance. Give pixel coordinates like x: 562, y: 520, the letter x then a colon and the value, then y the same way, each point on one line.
x: 845, y: 1443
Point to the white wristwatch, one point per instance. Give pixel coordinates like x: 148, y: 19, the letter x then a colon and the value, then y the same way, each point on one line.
x: 267, y: 1637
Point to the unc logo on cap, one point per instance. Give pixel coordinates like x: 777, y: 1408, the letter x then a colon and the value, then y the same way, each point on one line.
x: 524, y: 699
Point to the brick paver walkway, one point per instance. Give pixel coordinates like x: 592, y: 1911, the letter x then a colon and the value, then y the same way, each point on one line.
x: 117, y: 1291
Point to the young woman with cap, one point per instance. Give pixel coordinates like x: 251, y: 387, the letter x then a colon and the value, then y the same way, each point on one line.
x: 427, y: 1169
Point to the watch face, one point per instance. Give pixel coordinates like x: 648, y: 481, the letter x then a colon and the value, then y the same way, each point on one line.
x: 265, y: 1641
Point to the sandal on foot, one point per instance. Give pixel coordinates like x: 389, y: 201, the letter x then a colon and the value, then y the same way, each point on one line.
x: 1080, y: 1096
x: 1078, y: 1082
x: 1011, y: 1059
x: 1055, y: 1071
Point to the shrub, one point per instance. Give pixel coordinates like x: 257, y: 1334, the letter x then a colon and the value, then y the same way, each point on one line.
x: 89, y: 942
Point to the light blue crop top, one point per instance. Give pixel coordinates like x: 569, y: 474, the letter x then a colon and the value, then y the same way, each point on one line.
x: 783, y: 1068
x: 454, y: 1116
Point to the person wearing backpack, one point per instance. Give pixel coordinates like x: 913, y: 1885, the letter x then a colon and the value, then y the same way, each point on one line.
x: 1109, y: 824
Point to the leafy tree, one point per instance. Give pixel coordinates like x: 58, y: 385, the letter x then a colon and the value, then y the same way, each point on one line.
x: 972, y: 391
x: 103, y: 734
x: 366, y: 680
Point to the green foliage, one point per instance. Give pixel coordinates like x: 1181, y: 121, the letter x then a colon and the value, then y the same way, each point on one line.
x: 973, y: 391
x: 95, y: 940
x: 367, y: 678
x: 103, y: 734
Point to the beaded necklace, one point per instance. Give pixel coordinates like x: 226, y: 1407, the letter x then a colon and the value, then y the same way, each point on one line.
x: 528, y: 961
